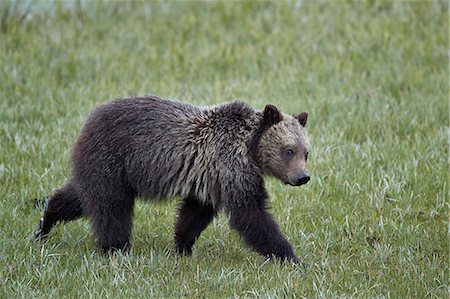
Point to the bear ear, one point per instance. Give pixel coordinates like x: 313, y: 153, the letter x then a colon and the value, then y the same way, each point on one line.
x: 271, y: 115
x: 302, y: 118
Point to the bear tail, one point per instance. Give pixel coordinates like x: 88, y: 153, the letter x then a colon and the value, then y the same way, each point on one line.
x: 63, y: 205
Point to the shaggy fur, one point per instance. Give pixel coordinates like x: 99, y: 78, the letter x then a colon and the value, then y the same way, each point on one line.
x: 214, y: 158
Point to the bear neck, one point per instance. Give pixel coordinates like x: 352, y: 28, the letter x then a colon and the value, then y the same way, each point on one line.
x: 255, y: 141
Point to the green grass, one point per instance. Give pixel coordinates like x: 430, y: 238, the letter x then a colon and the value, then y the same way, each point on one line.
x: 374, y: 76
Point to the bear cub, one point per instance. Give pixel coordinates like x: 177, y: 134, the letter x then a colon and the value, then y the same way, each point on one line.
x: 214, y: 158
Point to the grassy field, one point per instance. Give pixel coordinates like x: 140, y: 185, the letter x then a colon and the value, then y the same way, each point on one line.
x: 374, y: 76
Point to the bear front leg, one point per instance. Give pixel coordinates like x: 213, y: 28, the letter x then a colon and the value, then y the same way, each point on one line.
x: 193, y: 218
x: 259, y: 230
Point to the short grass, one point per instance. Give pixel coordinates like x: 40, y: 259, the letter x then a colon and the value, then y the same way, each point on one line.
x: 373, y: 75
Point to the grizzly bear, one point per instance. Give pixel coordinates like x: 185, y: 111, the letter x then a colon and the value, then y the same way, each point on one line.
x: 214, y: 158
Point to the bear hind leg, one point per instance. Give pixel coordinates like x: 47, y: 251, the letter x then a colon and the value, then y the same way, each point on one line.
x: 112, y: 221
x: 193, y: 218
x: 64, y: 205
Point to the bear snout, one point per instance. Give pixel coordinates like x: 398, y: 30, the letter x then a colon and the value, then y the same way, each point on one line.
x: 300, y: 179
x: 303, y: 177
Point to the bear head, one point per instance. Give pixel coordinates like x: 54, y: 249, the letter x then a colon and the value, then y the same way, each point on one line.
x: 283, y: 146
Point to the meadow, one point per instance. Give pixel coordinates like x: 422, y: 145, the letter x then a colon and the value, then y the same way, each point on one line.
x: 373, y: 75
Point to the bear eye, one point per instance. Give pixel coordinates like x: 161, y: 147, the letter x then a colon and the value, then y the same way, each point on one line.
x: 290, y: 152
x: 306, y: 156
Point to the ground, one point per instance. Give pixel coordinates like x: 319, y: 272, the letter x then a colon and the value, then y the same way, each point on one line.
x: 374, y: 76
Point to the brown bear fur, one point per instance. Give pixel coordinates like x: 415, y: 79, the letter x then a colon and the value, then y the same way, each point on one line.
x: 214, y: 158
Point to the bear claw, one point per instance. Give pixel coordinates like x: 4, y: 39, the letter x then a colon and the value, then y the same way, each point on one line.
x: 40, y: 233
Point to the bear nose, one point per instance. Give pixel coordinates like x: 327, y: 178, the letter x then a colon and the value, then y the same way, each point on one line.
x: 303, y: 177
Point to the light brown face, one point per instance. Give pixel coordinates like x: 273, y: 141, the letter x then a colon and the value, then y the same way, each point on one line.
x: 284, y: 150
x: 294, y: 157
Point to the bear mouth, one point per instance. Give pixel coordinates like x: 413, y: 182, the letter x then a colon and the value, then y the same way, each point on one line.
x: 296, y: 184
x: 292, y: 184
